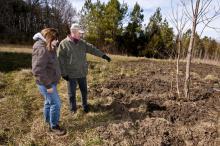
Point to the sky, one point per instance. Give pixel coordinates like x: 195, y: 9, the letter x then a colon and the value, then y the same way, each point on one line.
x: 150, y: 6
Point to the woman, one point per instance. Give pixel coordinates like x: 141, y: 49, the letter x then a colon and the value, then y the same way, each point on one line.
x: 47, y: 73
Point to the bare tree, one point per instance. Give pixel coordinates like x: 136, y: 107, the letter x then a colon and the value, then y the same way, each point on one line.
x: 179, y: 21
x: 199, y: 13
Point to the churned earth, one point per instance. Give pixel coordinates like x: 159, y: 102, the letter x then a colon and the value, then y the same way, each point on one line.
x: 147, y: 111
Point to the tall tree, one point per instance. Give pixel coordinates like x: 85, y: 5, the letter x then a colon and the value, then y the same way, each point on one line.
x: 114, y: 14
x: 103, y: 23
x: 167, y: 35
x: 134, y: 35
x: 92, y: 20
x: 159, y: 37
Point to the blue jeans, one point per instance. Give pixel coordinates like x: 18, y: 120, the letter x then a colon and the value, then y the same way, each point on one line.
x: 71, y: 84
x: 51, y: 105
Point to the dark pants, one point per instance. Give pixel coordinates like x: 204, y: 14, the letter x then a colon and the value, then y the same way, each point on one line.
x: 72, y: 84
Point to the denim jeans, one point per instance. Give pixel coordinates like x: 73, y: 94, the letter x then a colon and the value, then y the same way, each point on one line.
x: 51, y: 105
x: 72, y: 83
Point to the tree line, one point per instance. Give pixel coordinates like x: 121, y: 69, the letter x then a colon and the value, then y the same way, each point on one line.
x: 109, y: 26
x: 20, y: 19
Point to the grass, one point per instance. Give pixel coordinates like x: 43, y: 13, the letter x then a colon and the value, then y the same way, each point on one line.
x: 15, y: 48
x: 21, y: 104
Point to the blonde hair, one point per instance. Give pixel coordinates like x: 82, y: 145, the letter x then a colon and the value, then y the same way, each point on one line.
x: 49, y: 34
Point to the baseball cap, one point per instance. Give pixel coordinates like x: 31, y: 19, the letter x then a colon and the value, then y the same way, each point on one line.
x: 76, y: 26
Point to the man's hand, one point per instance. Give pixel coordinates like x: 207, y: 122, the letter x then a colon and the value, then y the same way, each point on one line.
x: 65, y: 78
x: 106, y: 58
x: 50, y: 90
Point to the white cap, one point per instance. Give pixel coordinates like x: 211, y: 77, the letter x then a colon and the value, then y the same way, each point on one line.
x: 76, y: 26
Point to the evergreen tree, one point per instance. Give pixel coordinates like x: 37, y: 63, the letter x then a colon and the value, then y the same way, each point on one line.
x: 103, y: 23
x: 134, y: 35
x: 114, y: 15
x: 159, y: 37
x: 92, y: 21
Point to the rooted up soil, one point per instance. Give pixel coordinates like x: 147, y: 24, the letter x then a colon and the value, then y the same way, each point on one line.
x: 147, y: 111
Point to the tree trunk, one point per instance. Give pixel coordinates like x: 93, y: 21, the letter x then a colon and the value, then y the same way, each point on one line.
x: 177, y: 66
x: 189, y: 53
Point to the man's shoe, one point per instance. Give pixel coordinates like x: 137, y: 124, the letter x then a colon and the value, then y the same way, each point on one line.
x: 58, y: 130
x: 86, y: 109
x: 73, y: 111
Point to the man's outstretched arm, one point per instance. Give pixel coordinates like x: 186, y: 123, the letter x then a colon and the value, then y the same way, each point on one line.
x: 91, y: 49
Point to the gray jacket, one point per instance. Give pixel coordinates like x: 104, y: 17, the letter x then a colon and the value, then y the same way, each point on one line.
x: 45, y: 66
x: 72, y: 57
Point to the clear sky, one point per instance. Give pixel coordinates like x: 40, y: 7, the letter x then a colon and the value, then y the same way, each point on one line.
x: 149, y: 7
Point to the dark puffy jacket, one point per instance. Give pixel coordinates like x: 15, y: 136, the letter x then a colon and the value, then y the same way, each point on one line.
x: 45, y: 66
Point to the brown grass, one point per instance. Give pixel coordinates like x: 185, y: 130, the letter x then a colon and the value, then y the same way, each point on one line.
x: 15, y: 48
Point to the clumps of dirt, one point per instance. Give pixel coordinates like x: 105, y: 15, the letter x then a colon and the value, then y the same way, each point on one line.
x: 147, y: 111
x: 117, y: 133
x: 183, y: 113
x: 149, y: 131
x: 157, y: 128
x: 137, y: 86
x: 203, y: 133
x: 202, y: 94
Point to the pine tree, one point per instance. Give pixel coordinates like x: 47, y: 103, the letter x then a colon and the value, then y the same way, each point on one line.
x: 133, y: 35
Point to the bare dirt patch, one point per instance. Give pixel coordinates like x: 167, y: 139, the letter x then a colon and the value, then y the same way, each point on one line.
x: 147, y: 111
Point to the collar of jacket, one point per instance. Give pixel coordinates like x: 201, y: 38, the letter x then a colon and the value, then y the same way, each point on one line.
x: 39, y: 36
x: 70, y: 38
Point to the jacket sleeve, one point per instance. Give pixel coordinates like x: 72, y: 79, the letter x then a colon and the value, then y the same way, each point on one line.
x: 91, y: 49
x: 39, y: 68
x: 62, y: 56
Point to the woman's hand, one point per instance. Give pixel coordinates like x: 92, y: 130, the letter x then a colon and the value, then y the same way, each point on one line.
x: 50, y: 90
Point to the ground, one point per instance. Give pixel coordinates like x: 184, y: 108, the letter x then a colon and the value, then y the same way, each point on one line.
x: 133, y: 102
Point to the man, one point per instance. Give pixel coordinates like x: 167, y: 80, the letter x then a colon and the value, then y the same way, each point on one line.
x: 73, y: 63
